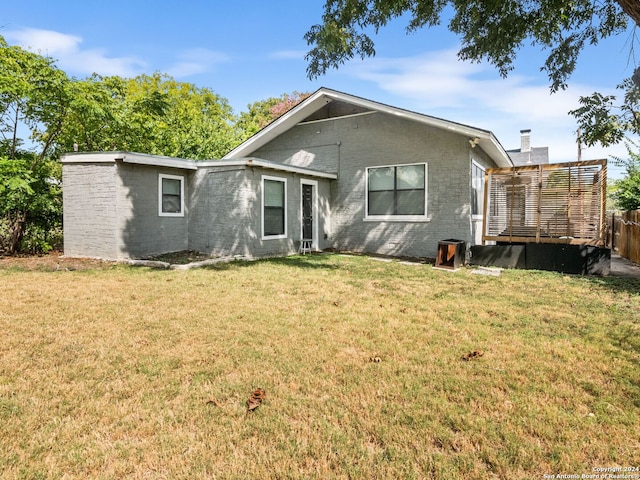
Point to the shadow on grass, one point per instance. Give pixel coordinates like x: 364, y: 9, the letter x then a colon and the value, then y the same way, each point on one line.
x: 624, y: 331
x: 617, y: 284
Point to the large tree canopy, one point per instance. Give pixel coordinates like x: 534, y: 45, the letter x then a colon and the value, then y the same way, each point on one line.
x: 150, y: 113
x: 492, y: 30
x: 33, y: 97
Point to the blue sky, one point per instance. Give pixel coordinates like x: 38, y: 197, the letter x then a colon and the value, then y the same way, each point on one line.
x: 250, y: 50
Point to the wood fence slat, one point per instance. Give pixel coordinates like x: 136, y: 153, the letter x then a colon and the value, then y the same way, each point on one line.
x: 625, y: 235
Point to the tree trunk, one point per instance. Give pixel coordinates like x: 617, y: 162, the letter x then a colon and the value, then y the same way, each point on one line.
x: 14, y: 141
x: 631, y: 8
x: 17, y: 224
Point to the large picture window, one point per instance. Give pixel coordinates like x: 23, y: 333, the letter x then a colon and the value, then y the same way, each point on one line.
x: 274, y: 211
x: 397, y: 192
x: 170, y: 196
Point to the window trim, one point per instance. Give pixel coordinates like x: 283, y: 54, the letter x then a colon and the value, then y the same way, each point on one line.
x: 477, y: 216
x: 162, y: 176
x: 314, y: 210
x: 262, y: 206
x: 396, y: 218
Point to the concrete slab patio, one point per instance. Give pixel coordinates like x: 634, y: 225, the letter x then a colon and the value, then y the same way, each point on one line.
x: 622, y: 267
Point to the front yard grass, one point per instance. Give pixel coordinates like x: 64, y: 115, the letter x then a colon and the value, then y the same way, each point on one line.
x: 124, y: 372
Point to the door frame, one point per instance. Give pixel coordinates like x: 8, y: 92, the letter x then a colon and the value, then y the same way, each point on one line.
x: 314, y: 210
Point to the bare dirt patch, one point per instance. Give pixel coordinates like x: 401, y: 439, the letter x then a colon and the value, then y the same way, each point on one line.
x: 51, y: 262
x: 182, y: 257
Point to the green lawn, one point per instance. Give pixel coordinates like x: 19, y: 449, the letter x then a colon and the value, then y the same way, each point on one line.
x: 123, y: 372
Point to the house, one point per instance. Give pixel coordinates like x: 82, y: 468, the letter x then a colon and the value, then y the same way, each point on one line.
x: 526, y: 154
x: 342, y: 171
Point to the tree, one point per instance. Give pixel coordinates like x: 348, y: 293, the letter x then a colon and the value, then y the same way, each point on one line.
x: 150, y: 113
x: 262, y: 113
x: 605, y: 121
x: 30, y: 204
x: 33, y: 96
x: 626, y: 191
x: 490, y: 30
x: 602, y: 119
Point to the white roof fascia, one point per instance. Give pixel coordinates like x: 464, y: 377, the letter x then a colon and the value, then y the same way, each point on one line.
x: 158, y: 161
x: 256, y: 162
x: 128, y: 157
x: 488, y: 142
x: 90, y: 157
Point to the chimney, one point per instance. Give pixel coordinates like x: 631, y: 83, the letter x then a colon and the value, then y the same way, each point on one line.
x: 525, y: 141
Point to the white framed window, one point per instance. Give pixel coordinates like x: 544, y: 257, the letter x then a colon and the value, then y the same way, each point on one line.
x: 274, y: 207
x: 477, y: 189
x: 397, y: 193
x: 170, y: 195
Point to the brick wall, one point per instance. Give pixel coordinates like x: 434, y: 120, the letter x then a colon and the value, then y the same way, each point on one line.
x: 89, y: 215
x: 226, y: 212
x: 142, y: 231
x: 349, y: 145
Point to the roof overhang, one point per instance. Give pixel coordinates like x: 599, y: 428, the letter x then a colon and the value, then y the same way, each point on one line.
x: 486, y: 140
x: 267, y: 165
x: 184, y: 164
x: 129, y: 157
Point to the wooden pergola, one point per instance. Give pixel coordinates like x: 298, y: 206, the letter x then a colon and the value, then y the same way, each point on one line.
x: 551, y: 203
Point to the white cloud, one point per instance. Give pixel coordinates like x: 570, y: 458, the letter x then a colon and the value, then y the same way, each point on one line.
x: 288, y: 55
x: 46, y: 42
x: 66, y: 49
x: 196, y: 61
x: 438, y: 84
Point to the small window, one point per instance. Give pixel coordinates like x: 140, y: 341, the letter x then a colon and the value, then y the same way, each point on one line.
x: 477, y: 189
x: 171, y: 196
x: 274, y: 211
x: 397, y: 192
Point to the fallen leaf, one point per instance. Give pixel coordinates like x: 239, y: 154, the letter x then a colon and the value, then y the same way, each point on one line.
x: 255, y: 400
x: 471, y: 355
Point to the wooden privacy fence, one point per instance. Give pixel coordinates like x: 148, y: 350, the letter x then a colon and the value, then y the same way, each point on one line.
x: 625, y: 235
x: 551, y: 203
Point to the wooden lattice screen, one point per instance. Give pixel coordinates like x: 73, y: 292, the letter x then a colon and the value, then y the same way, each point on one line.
x: 552, y: 203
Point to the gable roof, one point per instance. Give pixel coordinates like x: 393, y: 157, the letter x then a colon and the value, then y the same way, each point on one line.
x: 323, y: 97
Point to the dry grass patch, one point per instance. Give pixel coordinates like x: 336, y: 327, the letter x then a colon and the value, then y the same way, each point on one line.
x: 130, y: 372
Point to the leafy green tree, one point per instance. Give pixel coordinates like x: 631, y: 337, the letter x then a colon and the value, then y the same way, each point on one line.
x: 263, y: 112
x: 489, y: 30
x: 605, y: 120
x: 33, y: 98
x: 626, y: 191
x: 151, y: 114
x: 30, y: 204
